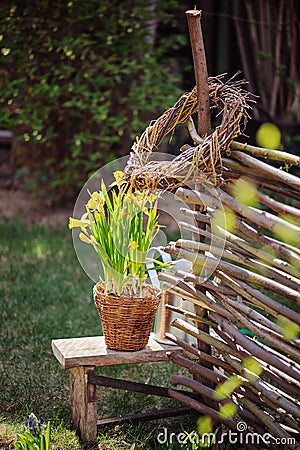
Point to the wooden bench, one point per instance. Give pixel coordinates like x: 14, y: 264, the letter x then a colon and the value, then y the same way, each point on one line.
x: 82, y: 355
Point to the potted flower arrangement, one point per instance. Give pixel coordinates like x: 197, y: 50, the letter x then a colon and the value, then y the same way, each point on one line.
x: 121, y: 225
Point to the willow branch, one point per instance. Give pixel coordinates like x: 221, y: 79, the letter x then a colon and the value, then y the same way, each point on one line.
x: 279, y: 207
x: 211, y: 285
x: 217, y: 362
x: 286, y: 360
x: 216, y: 201
x: 215, y: 377
x: 190, y: 315
x: 276, y: 399
x: 267, y: 336
x: 269, y: 422
x: 260, y: 254
x: 273, y: 155
x: 259, y: 298
x: 197, y: 387
x: 211, y: 263
x: 255, y: 349
x: 194, y: 367
x: 198, y: 298
x: 218, y: 241
x: 261, y: 218
x: 279, y: 188
x: 266, y: 169
x: 276, y: 246
x: 268, y: 270
x: 210, y: 394
x: 239, y: 305
x: 203, y: 409
x: 216, y: 251
x: 193, y: 331
x: 196, y: 215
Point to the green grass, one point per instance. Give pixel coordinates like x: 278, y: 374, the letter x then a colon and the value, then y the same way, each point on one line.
x: 45, y: 295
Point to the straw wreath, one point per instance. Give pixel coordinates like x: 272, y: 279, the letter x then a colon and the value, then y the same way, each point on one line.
x: 193, y: 163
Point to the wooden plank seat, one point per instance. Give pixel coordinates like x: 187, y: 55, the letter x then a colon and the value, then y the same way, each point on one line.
x: 82, y: 355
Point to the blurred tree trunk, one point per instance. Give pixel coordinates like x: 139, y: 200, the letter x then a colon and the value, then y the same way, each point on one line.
x: 269, y: 43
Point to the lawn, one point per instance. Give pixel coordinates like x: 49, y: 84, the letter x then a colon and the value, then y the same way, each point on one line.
x: 46, y: 295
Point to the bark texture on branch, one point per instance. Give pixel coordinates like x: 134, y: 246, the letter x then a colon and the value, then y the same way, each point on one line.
x: 251, y: 289
x: 244, y: 245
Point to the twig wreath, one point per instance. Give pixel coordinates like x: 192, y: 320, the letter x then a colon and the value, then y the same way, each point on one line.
x: 193, y: 163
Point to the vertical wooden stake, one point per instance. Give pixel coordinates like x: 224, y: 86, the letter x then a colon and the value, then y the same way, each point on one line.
x: 204, y: 124
x: 83, y: 403
x: 200, y: 68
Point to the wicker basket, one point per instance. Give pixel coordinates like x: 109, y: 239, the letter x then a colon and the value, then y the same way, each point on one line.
x: 127, y: 321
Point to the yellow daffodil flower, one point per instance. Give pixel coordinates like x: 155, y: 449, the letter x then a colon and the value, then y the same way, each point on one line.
x: 134, y: 245
x: 73, y: 223
x: 96, y: 201
x: 84, y: 238
x: 114, y: 218
x: 119, y: 179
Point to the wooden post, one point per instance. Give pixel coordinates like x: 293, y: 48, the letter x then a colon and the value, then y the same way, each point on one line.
x: 200, y: 68
x: 83, y: 403
x: 204, y: 124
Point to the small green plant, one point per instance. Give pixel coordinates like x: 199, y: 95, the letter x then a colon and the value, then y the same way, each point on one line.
x: 34, y: 439
x: 120, y: 227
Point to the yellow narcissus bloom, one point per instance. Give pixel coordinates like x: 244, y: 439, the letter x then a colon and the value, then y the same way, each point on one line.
x: 84, y: 238
x: 142, y: 198
x: 96, y: 201
x: 151, y: 197
x: 119, y: 177
x: 73, y: 223
x: 114, y: 225
x: 134, y: 245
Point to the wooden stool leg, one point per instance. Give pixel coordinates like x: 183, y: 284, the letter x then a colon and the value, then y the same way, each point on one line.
x: 83, y: 403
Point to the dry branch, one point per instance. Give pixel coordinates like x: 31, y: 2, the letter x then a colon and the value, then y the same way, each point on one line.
x: 211, y: 263
x: 270, y: 423
x: 203, y: 409
x: 200, y: 69
x: 265, y: 153
x: 251, y: 346
x: 210, y: 394
x: 279, y: 207
x: 266, y: 334
x: 268, y: 170
x: 258, y: 152
x: 259, y: 298
x: 215, y: 377
x: 277, y: 247
x: 240, y: 259
x: 257, y: 282
x: 256, y: 350
x: 260, y: 218
x: 259, y: 254
x: 217, y: 362
x: 277, y: 399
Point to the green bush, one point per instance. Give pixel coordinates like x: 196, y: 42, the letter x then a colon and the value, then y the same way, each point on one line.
x: 80, y: 80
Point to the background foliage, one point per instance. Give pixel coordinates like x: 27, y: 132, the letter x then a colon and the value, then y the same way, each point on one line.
x: 79, y: 81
